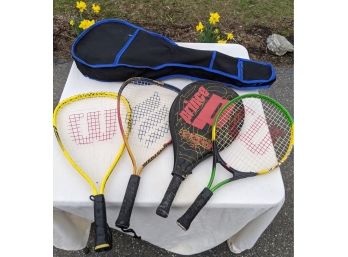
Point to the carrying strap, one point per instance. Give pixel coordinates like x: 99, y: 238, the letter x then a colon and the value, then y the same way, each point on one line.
x: 129, y: 230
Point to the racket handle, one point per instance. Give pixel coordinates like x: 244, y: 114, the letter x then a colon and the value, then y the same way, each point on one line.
x: 164, y: 207
x: 103, y: 236
x: 185, y: 220
x: 128, y: 202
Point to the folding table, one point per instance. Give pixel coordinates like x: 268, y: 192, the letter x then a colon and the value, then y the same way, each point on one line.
x: 238, y: 213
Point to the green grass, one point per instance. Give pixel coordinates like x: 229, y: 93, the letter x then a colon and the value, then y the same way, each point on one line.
x: 274, y: 14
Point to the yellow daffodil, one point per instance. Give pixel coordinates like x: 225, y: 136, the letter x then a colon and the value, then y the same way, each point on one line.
x: 222, y: 41
x: 214, y: 18
x: 81, y: 5
x: 86, y: 24
x: 230, y: 36
x: 199, y: 27
x: 216, y: 31
x: 72, y: 22
x: 96, y: 8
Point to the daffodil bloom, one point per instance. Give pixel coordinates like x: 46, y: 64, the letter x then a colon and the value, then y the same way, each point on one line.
x: 96, y: 8
x: 222, y: 41
x: 81, y: 5
x: 200, y: 27
x: 214, y: 18
x: 230, y: 36
x: 86, y: 24
x: 72, y: 22
x: 216, y: 31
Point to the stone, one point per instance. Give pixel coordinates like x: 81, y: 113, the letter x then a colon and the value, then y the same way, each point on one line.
x: 279, y: 44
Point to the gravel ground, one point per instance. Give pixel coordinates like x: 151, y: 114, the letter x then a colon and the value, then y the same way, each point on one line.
x: 277, y: 240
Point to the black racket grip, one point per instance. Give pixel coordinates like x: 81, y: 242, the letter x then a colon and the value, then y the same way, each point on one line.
x: 128, y: 202
x: 164, y: 207
x: 185, y: 220
x: 103, y: 236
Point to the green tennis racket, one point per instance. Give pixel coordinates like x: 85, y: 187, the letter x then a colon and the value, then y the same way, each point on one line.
x: 256, y: 135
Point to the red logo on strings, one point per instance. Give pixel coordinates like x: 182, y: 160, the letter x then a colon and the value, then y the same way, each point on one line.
x: 95, y: 130
x: 253, y: 133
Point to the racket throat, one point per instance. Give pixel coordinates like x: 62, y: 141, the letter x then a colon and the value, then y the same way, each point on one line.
x: 240, y: 175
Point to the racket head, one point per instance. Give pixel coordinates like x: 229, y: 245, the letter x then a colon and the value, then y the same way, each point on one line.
x: 87, y: 132
x: 265, y: 135
x: 146, y: 129
x: 191, y: 118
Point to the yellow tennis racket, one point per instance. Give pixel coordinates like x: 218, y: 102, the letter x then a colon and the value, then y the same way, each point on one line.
x: 87, y: 131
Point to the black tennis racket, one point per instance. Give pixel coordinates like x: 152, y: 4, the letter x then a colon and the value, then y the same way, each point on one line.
x: 191, y: 117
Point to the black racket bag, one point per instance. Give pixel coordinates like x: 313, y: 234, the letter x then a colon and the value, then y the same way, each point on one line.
x: 115, y: 50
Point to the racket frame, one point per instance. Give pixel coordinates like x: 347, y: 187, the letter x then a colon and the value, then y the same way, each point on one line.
x: 138, y: 170
x: 107, y: 174
x: 238, y: 174
x: 123, y: 219
x: 103, y: 236
x: 164, y: 207
x: 186, y: 219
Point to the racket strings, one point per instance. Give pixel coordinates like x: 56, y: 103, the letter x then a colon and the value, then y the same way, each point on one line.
x: 143, y: 109
x: 99, y: 125
x: 142, y: 82
x: 149, y: 120
x: 264, y: 135
x: 279, y: 129
x: 89, y: 131
x: 229, y: 125
x: 159, y: 118
x: 74, y: 129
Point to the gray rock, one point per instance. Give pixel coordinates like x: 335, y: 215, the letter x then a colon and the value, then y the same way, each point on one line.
x: 279, y: 44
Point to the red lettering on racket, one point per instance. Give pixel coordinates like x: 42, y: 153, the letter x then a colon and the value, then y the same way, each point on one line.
x: 193, y: 105
x: 207, y: 115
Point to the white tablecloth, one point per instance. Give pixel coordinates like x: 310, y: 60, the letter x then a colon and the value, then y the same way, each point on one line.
x: 238, y: 213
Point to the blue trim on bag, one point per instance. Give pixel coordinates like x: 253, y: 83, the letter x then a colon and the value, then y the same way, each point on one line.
x: 124, y: 48
x: 175, y: 76
x: 113, y: 65
x: 212, y: 60
x: 240, y: 69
